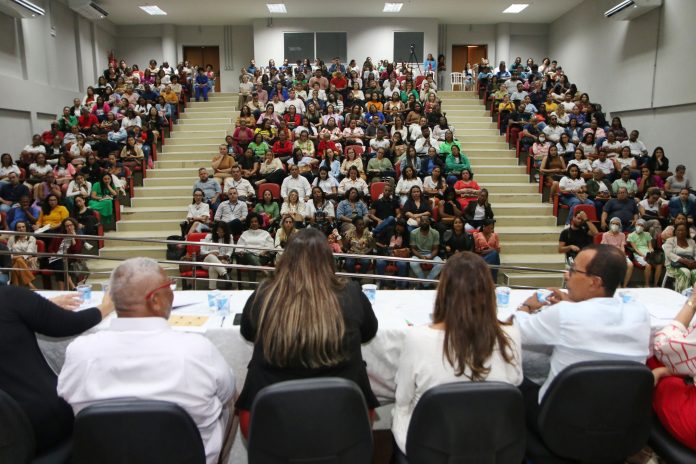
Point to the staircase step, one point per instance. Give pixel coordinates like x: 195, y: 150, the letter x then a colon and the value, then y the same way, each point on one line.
x: 164, y: 192
x: 535, y: 280
x: 546, y: 261
x: 163, y: 212
x: 125, y: 252
x: 204, y: 121
x: 524, y: 221
x: 528, y: 234
x: 179, y: 164
x: 193, y: 141
x: 541, y: 247
x: 193, y: 128
x: 494, y: 187
x: 220, y: 113
x: 511, y: 209
x: 160, y: 172
x: 177, y: 133
x: 171, y: 181
x: 482, y: 121
x: 485, y: 169
x: 173, y: 155
x: 534, y: 198
x: 468, y: 146
x: 191, y: 148
x: 151, y: 225
x: 498, y: 161
x: 211, y: 108
x: 156, y: 199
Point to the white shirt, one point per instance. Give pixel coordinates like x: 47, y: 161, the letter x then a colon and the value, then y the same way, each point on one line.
x: 327, y: 208
x: 347, y: 183
x: 255, y: 238
x: 606, y: 166
x: 573, y: 185
x: 200, y: 210
x: 583, y: 164
x: 325, y: 185
x: 143, y: 358
x: 404, y: 186
x: 553, y: 133
x: 301, y: 184
x: 244, y: 188
x: 297, y: 103
x: 423, y: 144
x: 422, y: 366
x: 637, y: 147
x: 597, y: 329
x: 222, y: 249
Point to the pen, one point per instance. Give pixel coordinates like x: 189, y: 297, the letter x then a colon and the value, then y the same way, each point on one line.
x: 223, y: 321
x: 409, y: 323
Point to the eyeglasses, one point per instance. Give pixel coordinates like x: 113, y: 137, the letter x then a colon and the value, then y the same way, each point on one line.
x: 171, y: 283
x: 572, y: 270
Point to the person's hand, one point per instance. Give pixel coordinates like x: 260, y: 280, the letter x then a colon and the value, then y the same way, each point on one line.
x: 604, y: 225
x: 531, y: 304
x: 574, y: 248
x: 557, y: 296
x: 106, y: 306
x: 67, y: 301
x: 659, y: 373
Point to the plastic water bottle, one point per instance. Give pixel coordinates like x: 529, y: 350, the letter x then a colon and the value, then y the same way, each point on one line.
x: 212, y: 298
x: 222, y: 303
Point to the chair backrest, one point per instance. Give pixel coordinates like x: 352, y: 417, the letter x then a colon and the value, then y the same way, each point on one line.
x: 358, y: 149
x: 376, y: 189
x: 467, y: 422
x: 137, y: 432
x: 589, y: 210
x: 194, y: 237
x: 17, y: 442
x: 456, y: 78
x: 597, y: 239
x: 419, y: 81
x: 273, y: 188
x: 598, y: 411
x: 322, y: 420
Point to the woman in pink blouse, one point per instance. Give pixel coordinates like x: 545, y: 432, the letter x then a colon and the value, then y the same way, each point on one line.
x: 674, y: 400
x: 487, y: 244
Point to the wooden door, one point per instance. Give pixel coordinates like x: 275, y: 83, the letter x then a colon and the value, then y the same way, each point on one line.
x: 477, y: 52
x: 459, y: 58
x: 203, y: 56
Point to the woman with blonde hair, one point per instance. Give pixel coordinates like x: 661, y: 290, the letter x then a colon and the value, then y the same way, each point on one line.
x: 465, y: 342
x: 305, y: 322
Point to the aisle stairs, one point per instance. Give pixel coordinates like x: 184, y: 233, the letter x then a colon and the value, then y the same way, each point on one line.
x: 160, y: 204
x: 527, y: 229
x: 526, y: 226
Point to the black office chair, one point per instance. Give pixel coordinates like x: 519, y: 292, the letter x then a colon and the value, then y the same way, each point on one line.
x: 136, y: 432
x: 594, y: 412
x: 667, y: 447
x: 467, y: 422
x: 321, y: 420
x: 17, y: 441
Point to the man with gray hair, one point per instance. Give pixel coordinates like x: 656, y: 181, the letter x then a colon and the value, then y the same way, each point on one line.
x: 139, y: 356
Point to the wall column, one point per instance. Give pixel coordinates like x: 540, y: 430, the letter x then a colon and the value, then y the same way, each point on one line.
x: 502, y: 44
x: 169, y: 44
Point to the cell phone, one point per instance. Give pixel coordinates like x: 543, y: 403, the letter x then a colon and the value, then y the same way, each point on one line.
x: 237, y: 319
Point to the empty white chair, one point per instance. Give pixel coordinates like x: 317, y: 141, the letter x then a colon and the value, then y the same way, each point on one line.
x: 456, y: 78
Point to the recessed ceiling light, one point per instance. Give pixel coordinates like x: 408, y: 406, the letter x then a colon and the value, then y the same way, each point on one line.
x: 153, y: 10
x: 516, y: 8
x: 276, y: 8
x: 392, y: 7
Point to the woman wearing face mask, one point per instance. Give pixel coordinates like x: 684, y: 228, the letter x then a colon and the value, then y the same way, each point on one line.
x: 617, y: 239
x: 644, y: 254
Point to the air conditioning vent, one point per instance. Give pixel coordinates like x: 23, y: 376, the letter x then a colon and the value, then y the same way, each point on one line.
x: 631, y: 9
x: 88, y: 9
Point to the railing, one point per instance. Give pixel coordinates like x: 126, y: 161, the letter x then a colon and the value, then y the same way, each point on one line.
x: 198, y: 265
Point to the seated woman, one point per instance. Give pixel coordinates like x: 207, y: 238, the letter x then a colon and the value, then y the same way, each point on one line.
x: 304, y: 144
x: 352, y: 159
x: 7, y: 165
x: 449, y: 209
x: 673, y: 185
x: 268, y: 210
x: 215, y: 252
x: 249, y: 166
x: 434, y: 186
x: 26, y: 313
x: 647, y: 181
x: 616, y: 238
x: 47, y: 187
x: 320, y: 212
x: 569, y: 186
x: 305, y: 327
x: 306, y: 164
x: 87, y: 220
x: 285, y: 232
x: 680, y: 257
x: 222, y: 164
x: 22, y: 264
x: 465, y: 342
x: 102, y: 198
x: 644, y: 254
x: 258, y: 145
x: 457, y: 239
x: 52, y: 213
x: 327, y: 183
x: 359, y: 241
x: 255, y: 237
x: 673, y: 398
x: 353, y: 181
x: 78, y: 186
x: 64, y: 171
x: 415, y: 208
x: 582, y: 163
x: 38, y: 170
x: 553, y: 168
x: 65, y: 247
x: 407, y: 181
x: 467, y: 189
x: 393, y: 241
x: 295, y: 208
x: 477, y: 211
x: 455, y: 165
x: 349, y: 209
x: 487, y: 245
x: 197, y: 216
x: 270, y: 170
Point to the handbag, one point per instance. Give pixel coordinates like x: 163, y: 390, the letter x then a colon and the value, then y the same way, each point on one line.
x: 78, y: 270
x: 401, y: 252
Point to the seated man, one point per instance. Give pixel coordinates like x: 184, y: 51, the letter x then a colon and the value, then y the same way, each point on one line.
x: 245, y: 190
x: 577, y: 236
x: 678, y: 204
x: 623, y: 207
x: 211, y: 188
x: 11, y: 192
x: 232, y: 212
x: 140, y: 356
x: 295, y: 182
x: 425, y: 244
x: 585, y: 324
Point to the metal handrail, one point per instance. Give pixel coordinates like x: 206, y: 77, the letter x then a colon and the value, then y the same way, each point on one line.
x: 229, y: 266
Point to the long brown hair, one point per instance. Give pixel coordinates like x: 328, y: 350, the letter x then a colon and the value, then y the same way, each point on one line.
x: 466, y: 304
x: 300, y: 320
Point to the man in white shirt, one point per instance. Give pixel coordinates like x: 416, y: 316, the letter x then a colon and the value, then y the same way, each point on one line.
x: 380, y: 141
x: 611, y: 145
x: 295, y: 182
x: 519, y: 93
x: 603, y: 163
x: 568, y: 103
x: 553, y: 131
x: 245, y: 191
x: 425, y: 141
x: 278, y: 105
x: 637, y: 147
x: 140, y: 356
x: 295, y: 101
x: 390, y: 86
x: 585, y: 324
x: 232, y: 212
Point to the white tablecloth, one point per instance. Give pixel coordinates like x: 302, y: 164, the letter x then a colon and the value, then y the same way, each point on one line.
x: 396, y: 311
